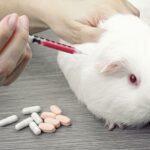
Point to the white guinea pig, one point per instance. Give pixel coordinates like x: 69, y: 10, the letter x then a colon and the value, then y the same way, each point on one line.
x: 113, y: 79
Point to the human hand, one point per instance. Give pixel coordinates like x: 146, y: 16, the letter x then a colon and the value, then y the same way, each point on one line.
x: 14, y: 51
x: 76, y: 21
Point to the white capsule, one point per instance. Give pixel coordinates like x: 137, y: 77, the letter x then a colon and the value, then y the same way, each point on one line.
x: 8, y: 120
x: 24, y: 123
x: 30, y: 110
x: 36, y: 118
x: 35, y: 129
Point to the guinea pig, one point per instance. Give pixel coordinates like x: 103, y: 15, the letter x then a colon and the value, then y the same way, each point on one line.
x: 113, y: 79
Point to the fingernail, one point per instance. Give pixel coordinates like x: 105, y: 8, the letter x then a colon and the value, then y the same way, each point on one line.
x: 12, y: 20
x: 24, y: 22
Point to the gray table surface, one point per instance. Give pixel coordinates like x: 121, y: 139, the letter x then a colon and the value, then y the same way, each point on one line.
x: 42, y: 83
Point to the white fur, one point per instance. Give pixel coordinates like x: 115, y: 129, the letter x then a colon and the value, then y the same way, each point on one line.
x: 111, y: 96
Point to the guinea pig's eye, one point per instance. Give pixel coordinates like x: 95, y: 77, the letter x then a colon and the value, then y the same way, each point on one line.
x: 133, y: 79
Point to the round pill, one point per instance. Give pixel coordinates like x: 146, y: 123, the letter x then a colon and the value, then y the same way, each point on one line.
x: 24, y: 123
x: 55, y: 109
x: 35, y: 129
x: 35, y: 116
x: 53, y: 121
x: 47, y: 128
x: 47, y: 115
x: 66, y: 121
x: 30, y: 110
x: 8, y: 120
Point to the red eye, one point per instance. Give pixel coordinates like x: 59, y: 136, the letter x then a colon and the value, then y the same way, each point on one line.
x: 133, y: 79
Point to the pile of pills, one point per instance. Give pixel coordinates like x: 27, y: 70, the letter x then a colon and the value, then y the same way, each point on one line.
x: 46, y: 122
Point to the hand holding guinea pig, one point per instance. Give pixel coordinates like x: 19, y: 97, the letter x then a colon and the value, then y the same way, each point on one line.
x: 73, y: 20
x: 113, y: 79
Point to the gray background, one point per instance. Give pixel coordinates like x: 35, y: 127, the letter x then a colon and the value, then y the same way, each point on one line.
x: 42, y: 83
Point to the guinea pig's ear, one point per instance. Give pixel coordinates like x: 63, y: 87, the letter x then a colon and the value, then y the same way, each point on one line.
x: 113, y: 66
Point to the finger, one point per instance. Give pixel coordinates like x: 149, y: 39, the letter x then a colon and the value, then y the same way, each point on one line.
x: 19, y: 69
x: 24, y: 54
x: 7, y: 27
x: 128, y: 8
x: 14, y: 50
x: 133, y: 9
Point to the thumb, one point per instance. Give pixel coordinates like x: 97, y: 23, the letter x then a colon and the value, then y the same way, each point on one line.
x: 89, y: 34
